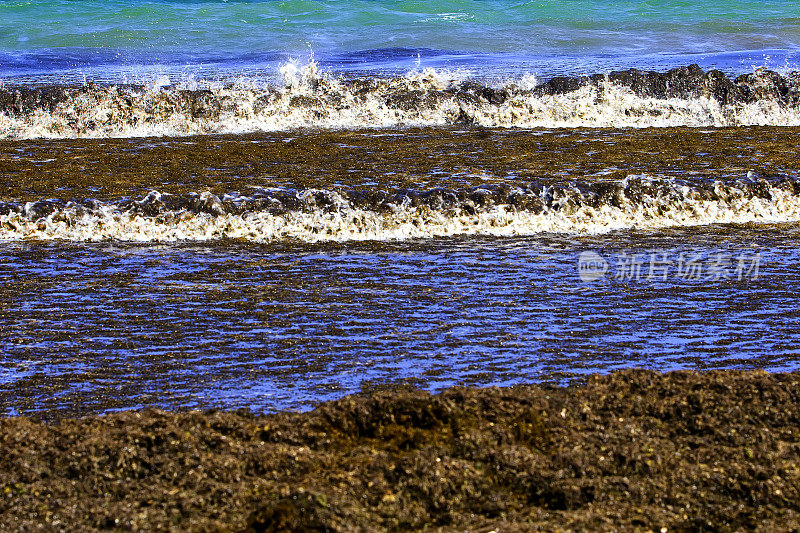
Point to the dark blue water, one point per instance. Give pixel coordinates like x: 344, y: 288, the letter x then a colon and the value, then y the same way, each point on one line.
x: 95, y: 327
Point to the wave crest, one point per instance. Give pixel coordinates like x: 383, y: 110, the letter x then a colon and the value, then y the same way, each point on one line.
x: 685, y: 96
x: 268, y: 215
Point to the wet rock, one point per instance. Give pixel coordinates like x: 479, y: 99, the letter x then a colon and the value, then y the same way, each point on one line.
x: 561, y: 85
x: 16, y: 101
x: 687, y: 82
x: 764, y: 85
x: 477, y: 93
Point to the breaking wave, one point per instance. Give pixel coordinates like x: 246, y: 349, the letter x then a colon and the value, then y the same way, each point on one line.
x: 268, y: 215
x: 685, y: 96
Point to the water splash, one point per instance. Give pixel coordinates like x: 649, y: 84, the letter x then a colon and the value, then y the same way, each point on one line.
x: 310, y: 98
x: 268, y: 215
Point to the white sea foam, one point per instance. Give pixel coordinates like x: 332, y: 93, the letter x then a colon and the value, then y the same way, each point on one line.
x: 341, y: 221
x: 310, y: 99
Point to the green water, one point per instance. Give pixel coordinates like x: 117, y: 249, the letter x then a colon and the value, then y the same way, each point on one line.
x: 56, y: 36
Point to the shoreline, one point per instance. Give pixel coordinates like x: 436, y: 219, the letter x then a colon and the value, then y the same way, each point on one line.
x: 634, y: 450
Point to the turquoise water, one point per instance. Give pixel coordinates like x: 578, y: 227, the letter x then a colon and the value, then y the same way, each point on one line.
x: 119, y: 39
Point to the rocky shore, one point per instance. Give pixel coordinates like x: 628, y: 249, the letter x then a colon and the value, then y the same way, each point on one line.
x: 635, y: 450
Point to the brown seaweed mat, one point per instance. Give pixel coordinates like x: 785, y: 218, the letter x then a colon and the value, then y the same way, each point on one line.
x: 636, y: 450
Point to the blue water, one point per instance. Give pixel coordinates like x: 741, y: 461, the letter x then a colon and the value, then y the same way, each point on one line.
x: 97, y: 327
x: 130, y: 40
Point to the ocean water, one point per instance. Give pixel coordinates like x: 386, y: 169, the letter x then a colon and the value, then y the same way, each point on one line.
x: 270, y: 204
x: 135, y: 40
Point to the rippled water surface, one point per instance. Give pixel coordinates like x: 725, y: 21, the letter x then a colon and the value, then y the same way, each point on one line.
x: 93, y: 327
x: 61, y: 40
x: 269, y: 204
